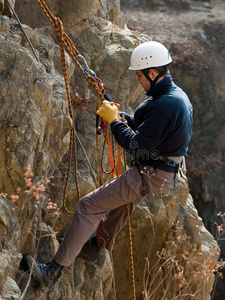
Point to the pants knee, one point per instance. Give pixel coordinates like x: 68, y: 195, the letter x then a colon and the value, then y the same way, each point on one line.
x: 83, y: 207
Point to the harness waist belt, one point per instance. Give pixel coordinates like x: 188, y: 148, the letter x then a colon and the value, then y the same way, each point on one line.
x: 172, y: 161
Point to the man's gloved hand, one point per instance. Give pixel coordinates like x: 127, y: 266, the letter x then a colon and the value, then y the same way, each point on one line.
x: 108, y: 111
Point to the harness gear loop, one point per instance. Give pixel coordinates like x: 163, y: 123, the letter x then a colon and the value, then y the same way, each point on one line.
x: 101, y: 226
x: 144, y: 190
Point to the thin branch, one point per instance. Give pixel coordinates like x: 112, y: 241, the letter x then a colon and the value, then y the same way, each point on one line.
x: 24, y: 32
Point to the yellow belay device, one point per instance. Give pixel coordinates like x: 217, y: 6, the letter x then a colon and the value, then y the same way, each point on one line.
x: 66, y: 43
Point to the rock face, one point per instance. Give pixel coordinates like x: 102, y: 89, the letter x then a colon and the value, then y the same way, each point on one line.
x: 171, y: 245
x: 5, y: 8
x: 70, y: 12
x: 35, y: 127
x: 33, y: 110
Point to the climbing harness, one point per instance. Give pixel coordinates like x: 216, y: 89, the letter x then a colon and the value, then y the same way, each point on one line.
x: 66, y: 43
x: 172, y: 161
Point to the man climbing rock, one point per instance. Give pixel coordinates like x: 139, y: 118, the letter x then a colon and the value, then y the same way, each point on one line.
x: 157, y: 137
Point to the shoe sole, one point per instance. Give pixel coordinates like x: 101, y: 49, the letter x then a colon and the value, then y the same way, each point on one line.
x: 36, y: 274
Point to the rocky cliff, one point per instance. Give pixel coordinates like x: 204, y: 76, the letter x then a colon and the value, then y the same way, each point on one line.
x: 170, y: 242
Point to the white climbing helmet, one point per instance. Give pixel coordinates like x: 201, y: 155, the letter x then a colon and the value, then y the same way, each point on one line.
x: 148, y: 55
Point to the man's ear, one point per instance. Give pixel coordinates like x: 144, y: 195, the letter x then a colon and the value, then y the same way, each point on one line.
x: 152, y: 74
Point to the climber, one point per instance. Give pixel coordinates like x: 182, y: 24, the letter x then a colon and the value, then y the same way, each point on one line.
x: 157, y: 137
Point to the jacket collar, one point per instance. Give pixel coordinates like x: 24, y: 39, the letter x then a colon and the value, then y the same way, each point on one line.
x: 161, y: 87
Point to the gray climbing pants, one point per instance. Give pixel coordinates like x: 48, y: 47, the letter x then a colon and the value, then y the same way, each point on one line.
x: 111, y: 198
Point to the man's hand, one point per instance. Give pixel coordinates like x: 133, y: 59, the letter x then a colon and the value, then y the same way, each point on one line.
x: 108, y: 111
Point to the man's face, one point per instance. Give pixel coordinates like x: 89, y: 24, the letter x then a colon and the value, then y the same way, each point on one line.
x: 143, y: 80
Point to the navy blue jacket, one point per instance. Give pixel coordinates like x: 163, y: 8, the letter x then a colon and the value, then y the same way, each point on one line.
x: 161, y: 125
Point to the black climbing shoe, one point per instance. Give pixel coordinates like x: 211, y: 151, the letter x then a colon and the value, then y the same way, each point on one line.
x: 44, y: 274
x: 90, y: 250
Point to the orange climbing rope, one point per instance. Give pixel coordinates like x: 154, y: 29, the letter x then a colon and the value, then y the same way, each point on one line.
x: 66, y: 43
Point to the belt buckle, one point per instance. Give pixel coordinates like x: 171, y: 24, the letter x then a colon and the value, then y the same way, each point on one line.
x: 171, y: 163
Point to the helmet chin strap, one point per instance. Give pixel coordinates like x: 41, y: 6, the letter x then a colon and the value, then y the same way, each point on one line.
x: 145, y: 72
x: 153, y: 82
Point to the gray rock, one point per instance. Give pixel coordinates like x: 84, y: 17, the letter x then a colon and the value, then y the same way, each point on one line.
x: 171, y: 224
